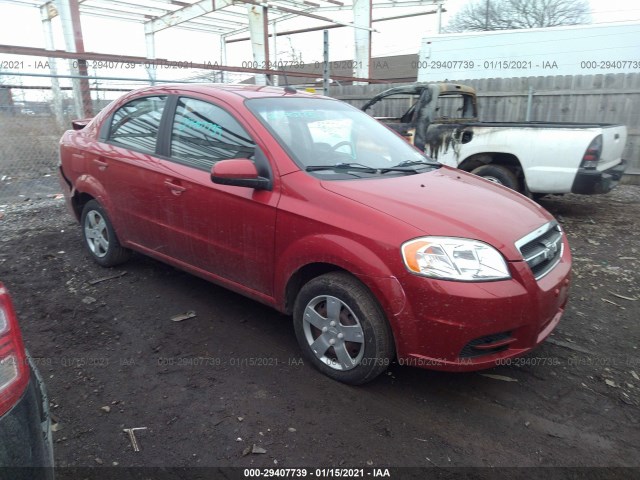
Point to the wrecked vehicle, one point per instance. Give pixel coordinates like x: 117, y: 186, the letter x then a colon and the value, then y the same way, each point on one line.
x: 310, y: 206
x: 533, y: 158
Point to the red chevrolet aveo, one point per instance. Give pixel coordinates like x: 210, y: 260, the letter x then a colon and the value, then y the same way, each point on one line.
x: 314, y: 208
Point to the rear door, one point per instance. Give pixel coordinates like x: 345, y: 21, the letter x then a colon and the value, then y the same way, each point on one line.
x: 133, y: 171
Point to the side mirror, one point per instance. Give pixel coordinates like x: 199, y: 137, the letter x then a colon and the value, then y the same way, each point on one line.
x: 239, y: 172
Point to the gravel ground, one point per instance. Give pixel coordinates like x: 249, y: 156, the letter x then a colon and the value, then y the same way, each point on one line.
x: 113, y: 359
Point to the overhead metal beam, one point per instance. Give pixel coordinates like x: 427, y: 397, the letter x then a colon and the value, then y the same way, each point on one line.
x: 106, y: 57
x: 130, y: 7
x: 392, y: 4
x: 326, y: 27
x: 214, y: 19
x: 281, y: 18
x: 185, y: 14
x: 112, y: 13
x: 302, y: 13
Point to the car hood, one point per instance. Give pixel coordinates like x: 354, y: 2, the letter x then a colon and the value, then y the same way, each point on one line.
x: 449, y: 202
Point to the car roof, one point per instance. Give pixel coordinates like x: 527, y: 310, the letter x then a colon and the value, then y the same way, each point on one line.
x: 226, y: 90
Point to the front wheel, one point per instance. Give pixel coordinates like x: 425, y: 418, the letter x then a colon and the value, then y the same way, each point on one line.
x: 498, y: 174
x: 100, y: 237
x: 342, y: 330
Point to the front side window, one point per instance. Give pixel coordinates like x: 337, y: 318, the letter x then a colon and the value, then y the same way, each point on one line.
x: 135, y: 125
x: 203, y: 134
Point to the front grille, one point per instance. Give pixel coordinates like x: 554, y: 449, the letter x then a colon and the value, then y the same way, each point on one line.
x: 475, y: 347
x: 542, y: 249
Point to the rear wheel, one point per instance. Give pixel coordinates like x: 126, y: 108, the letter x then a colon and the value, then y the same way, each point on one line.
x: 498, y: 174
x: 100, y: 237
x: 342, y: 330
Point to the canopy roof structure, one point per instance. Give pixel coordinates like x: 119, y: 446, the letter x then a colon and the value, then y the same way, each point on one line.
x: 223, y: 17
x: 231, y: 20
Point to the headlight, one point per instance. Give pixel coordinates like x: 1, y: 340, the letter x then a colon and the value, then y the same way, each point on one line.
x: 454, y: 259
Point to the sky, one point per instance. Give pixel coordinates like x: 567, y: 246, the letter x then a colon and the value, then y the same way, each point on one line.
x: 20, y: 25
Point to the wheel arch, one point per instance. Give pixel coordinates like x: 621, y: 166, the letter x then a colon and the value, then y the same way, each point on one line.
x: 498, y: 158
x: 88, y: 188
x: 78, y: 201
x: 504, y: 159
x: 302, y: 276
x: 296, y: 266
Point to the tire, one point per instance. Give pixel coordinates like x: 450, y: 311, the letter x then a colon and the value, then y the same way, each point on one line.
x: 100, y: 237
x: 498, y: 174
x: 359, y: 318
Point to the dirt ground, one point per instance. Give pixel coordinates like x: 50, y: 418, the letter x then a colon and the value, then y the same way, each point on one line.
x: 211, y: 387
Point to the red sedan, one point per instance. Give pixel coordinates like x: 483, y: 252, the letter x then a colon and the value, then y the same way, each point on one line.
x: 314, y: 208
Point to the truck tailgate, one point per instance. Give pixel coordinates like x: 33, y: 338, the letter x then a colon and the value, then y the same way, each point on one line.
x: 614, y: 139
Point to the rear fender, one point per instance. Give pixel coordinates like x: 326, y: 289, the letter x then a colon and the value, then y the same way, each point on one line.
x: 91, y: 186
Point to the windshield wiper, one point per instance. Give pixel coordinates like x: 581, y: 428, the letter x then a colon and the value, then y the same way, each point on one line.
x: 410, y: 166
x: 358, y: 167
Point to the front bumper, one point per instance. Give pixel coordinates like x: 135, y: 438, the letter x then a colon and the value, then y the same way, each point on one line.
x: 460, y: 326
x: 594, y: 181
x: 26, y: 435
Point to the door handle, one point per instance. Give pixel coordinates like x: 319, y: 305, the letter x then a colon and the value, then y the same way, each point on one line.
x: 102, y: 165
x: 175, y: 189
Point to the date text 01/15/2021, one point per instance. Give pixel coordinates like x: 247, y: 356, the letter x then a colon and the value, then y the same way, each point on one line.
x: 317, y: 472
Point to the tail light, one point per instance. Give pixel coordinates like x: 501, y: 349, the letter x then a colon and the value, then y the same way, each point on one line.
x: 14, y: 370
x: 592, y: 155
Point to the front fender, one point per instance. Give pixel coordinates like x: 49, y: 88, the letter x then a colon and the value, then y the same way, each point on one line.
x: 347, y: 254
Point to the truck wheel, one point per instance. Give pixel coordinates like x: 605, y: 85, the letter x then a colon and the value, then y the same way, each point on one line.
x: 341, y: 329
x: 100, y: 237
x: 498, y: 174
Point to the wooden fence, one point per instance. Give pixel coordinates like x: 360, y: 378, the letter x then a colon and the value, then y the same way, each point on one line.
x: 612, y: 98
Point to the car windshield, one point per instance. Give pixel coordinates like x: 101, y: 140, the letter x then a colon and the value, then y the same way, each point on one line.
x: 333, y: 138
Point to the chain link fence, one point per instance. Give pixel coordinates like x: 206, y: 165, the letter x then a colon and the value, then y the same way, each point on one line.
x: 29, y: 135
x: 32, y: 121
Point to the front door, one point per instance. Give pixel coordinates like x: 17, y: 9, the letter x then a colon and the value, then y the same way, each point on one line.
x: 227, y: 231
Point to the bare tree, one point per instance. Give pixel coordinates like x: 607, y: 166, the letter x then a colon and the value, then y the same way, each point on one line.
x: 480, y: 15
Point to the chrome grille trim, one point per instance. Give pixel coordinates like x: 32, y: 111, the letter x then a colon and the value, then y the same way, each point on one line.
x: 545, y: 242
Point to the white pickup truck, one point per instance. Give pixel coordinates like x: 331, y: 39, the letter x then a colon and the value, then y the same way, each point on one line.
x: 534, y: 158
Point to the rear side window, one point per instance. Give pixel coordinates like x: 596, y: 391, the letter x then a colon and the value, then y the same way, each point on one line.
x: 135, y: 125
x: 455, y: 106
x: 204, y: 134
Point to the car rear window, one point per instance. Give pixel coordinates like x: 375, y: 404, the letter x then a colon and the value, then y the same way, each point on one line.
x: 135, y: 125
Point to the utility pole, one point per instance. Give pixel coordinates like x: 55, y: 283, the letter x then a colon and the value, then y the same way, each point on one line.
x: 325, y: 71
x: 486, y: 16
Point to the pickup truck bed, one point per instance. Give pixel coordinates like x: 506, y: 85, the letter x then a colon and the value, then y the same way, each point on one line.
x: 535, y: 158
